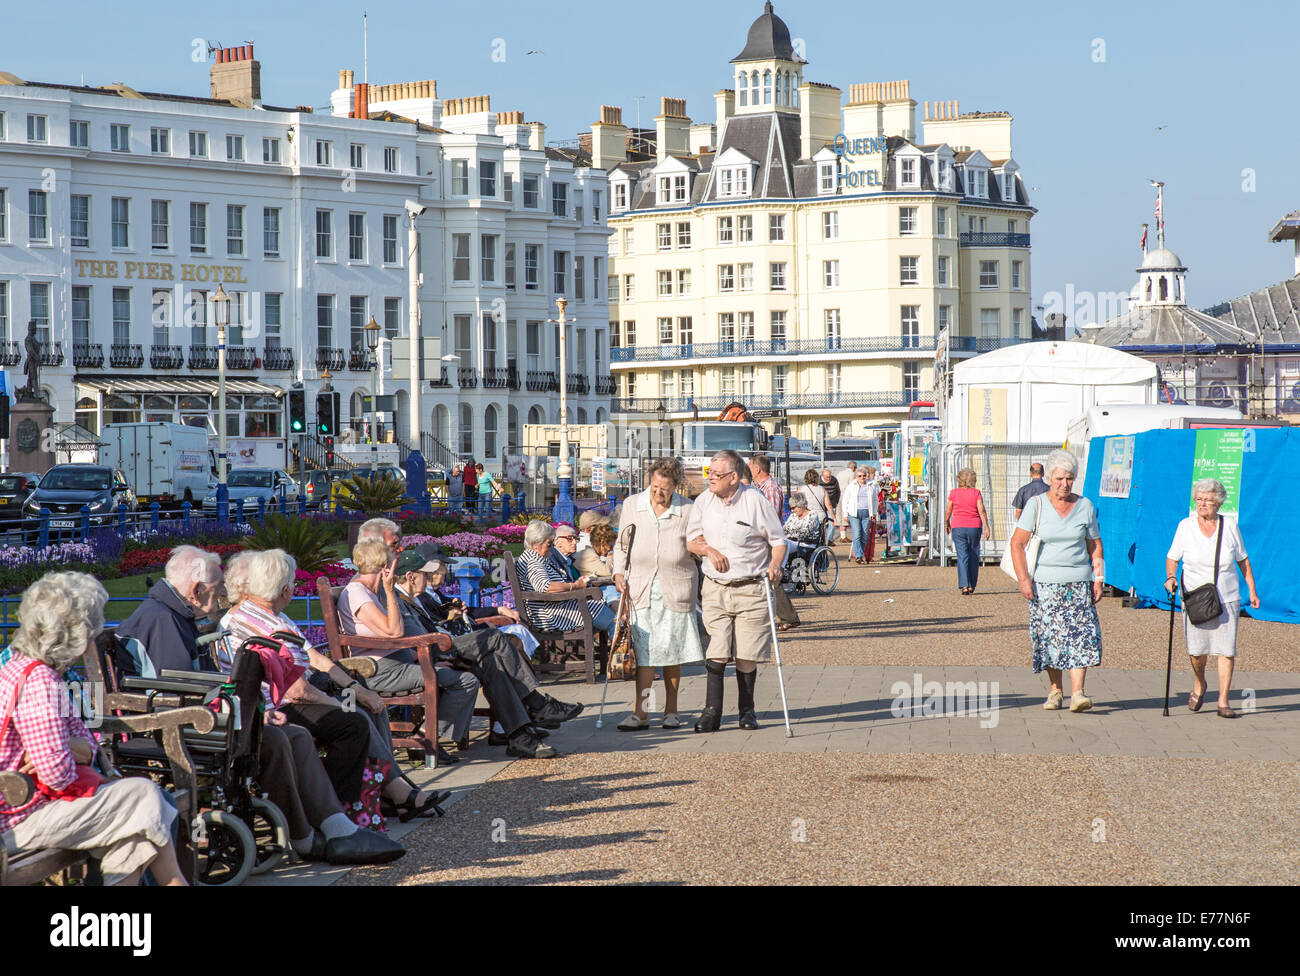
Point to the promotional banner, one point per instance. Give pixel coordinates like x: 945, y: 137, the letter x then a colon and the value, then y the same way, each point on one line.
x: 598, y: 474
x: 1117, y: 468
x: 1218, y: 455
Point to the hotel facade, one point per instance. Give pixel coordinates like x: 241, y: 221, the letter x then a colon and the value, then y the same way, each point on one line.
x: 796, y: 253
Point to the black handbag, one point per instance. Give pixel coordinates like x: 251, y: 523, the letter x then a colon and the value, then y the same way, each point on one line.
x: 1203, y: 603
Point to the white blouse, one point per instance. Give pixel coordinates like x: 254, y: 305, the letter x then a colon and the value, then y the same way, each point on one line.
x: 1196, y: 550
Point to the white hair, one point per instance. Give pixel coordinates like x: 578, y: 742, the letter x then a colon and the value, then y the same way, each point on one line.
x: 1061, y: 461
x: 376, y: 527
x: 269, y: 572
x: 798, y: 499
x: 189, y: 565
x: 1211, y: 486
x: 538, y: 531
x: 237, y: 567
x: 60, y: 615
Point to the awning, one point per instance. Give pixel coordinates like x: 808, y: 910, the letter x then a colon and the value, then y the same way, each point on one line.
x: 206, y: 387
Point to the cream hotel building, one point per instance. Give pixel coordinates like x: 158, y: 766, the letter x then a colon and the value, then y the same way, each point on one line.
x: 800, y: 253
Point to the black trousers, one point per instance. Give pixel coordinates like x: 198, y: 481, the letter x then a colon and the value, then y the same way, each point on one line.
x: 505, y: 678
x: 345, y: 737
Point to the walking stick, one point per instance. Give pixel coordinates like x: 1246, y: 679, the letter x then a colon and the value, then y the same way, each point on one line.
x: 600, y: 719
x: 1169, y: 661
x: 776, y: 648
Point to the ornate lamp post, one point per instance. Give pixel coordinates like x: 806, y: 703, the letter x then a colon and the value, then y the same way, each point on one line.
x: 372, y: 343
x: 563, y: 511
x: 222, y: 311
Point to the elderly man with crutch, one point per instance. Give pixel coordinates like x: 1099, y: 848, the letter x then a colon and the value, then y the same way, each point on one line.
x: 740, y: 539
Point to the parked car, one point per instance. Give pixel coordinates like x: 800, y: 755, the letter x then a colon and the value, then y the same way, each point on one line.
x: 15, y: 488
x: 315, y: 485
x: 65, y: 488
x: 250, y: 484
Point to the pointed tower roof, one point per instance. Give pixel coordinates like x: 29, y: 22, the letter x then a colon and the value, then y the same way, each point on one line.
x: 768, y: 39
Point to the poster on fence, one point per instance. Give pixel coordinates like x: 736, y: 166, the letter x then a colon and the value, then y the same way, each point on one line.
x: 1117, y: 468
x: 1218, y: 456
x: 598, y: 474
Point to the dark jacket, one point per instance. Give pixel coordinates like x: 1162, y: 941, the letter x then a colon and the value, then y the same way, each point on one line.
x: 164, y: 624
x: 832, y: 491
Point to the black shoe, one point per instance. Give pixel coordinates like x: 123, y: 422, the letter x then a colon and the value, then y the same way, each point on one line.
x: 745, y: 681
x: 527, y: 746
x: 498, y: 739
x: 540, y: 733
x: 748, y: 720
x: 710, y: 720
x: 551, y: 714
x: 317, y: 852
x: 363, y: 847
x: 445, y: 758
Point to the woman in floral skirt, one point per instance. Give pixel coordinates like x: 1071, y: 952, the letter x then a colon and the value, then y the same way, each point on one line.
x: 1066, y: 583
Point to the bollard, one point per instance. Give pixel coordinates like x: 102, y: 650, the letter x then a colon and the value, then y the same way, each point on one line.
x: 284, y: 505
x: 505, y: 508
x: 43, y: 533
x: 338, y: 509
x: 239, y: 510
x: 469, y: 573
x: 302, y: 505
x: 186, y: 508
x: 85, y: 523
x: 121, y: 518
x: 426, y: 503
x: 261, y: 509
x: 154, y: 509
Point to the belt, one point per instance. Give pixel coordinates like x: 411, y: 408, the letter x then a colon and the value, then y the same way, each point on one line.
x: 745, y: 581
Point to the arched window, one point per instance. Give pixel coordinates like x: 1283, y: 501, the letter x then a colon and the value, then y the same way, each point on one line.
x: 794, y: 93
x: 442, y: 425
x: 466, y: 429
x: 490, y: 432
x: 512, y: 430
x: 767, y: 87
x: 1148, y: 289
x: 600, y: 415
x: 535, y: 415
x: 357, y: 416
x: 582, y: 415
x: 742, y: 91
x: 753, y: 87
x: 1164, y: 288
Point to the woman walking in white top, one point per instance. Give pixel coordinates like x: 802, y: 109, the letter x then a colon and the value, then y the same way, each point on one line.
x: 1196, y: 541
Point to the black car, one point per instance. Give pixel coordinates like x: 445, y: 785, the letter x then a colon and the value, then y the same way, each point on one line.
x: 15, y: 488
x: 65, y: 488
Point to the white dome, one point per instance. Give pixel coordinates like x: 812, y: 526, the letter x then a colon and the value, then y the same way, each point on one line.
x: 1162, y: 259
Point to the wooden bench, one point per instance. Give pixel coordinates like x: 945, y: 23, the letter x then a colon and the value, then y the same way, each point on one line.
x: 555, y: 640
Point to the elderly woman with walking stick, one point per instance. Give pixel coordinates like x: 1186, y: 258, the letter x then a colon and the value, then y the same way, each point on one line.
x: 659, y: 576
x: 1064, y: 584
x: 1211, y: 548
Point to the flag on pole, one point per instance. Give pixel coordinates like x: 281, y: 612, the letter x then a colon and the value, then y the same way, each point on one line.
x: 1144, y: 238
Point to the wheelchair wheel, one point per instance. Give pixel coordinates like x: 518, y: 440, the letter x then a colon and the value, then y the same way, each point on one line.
x: 825, y: 570
x: 226, y: 854
x: 270, y: 835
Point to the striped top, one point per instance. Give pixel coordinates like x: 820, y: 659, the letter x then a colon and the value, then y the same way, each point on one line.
x: 536, y: 574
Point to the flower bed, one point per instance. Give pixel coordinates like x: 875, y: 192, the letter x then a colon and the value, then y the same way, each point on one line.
x: 305, y: 583
x: 146, y: 560
x: 508, y: 533
x: 469, y: 544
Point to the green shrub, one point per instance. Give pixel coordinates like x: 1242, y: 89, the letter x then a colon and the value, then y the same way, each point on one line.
x: 372, y: 496
x: 432, y: 525
x: 308, y: 542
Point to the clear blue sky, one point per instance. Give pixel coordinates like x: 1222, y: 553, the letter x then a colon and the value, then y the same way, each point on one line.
x: 1216, y: 77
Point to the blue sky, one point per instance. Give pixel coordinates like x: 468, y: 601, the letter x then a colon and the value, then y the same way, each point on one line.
x: 1216, y: 77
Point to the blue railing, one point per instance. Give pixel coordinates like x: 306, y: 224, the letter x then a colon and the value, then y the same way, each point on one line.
x: 772, y: 401
x: 774, y: 347
x: 992, y: 239
x: 982, y: 343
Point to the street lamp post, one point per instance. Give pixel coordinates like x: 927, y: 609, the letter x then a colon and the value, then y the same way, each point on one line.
x: 372, y: 343
x: 563, y: 511
x: 222, y: 311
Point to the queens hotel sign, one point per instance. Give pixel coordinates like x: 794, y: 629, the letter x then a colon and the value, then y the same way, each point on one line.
x: 160, y: 271
x: 846, y: 149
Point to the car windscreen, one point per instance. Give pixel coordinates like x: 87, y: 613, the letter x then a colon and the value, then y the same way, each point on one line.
x: 704, y: 440
x: 249, y: 479
x: 11, y: 482
x: 92, y: 480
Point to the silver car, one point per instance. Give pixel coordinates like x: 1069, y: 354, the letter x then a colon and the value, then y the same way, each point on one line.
x: 250, y: 484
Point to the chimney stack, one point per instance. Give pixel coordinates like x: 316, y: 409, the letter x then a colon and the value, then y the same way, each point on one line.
x: 236, y: 77
x: 672, y: 129
x: 608, y: 138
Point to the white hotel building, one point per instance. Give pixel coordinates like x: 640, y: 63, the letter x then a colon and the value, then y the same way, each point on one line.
x: 121, y: 212
x: 797, y: 253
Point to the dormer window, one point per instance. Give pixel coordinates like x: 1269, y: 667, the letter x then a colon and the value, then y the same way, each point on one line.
x: 907, y: 172
x: 944, y: 181
x: 977, y: 183
x: 620, y: 196
x: 1009, y: 187
x: 672, y: 189
x: 733, y: 181
x: 825, y: 178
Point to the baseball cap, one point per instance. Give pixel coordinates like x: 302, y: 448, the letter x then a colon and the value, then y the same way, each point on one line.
x: 413, y: 562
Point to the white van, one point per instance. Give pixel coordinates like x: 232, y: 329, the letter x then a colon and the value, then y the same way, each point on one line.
x: 164, y: 463
x: 1135, y: 418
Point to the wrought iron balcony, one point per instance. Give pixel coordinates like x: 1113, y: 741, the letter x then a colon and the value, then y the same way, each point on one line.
x: 203, y: 357
x: 87, y: 355
x: 443, y: 382
x: 542, y: 381
x: 467, y: 377
x: 166, y: 357
x: 360, y: 360
x: 53, y: 355
x: 11, y: 354
x: 512, y: 378
x: 242, y: 357
x: 125, y: 355
x: 978, y: 344
x: 605, y: 385
x: 496, y: 378
x: 831, y: 400
x: 774, y: 347
x: 992, y: 239
x: 578, y: 383
x: 277, y: 357
x: 330, y: 358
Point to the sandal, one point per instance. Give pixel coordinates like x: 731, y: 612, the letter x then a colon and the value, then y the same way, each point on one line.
x: 784, y: 627
x: 408, y: 810
x: 1194, y: 701
x: 1226, y: 712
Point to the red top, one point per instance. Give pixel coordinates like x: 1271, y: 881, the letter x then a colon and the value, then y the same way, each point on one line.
x: 965, y: 510
x: 469, y: 477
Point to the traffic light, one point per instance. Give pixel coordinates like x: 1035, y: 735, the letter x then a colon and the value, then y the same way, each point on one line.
x: 297, y: 411
x: 329, y: 452
x: 325, y: 419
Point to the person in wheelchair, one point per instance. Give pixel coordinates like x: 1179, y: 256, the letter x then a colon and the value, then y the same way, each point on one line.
x: 803, y: 529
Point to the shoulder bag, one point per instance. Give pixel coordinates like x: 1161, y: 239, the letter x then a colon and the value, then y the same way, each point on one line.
x: 1203, y: 604
x: 1032, y: 547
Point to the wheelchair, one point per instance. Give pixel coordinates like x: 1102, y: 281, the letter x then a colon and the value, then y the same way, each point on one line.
x: 238, y: 832
x: 813, y: 565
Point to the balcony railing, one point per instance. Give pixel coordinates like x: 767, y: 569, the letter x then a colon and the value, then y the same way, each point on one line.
x: 542, y: 381
x: 512, y: 378
x: 993, y: 239
x: 203, y: 357
x: 605, y: 385
x: 774, y: 347
x: 360, y: 360
x: 277, y: 357
x: 706, y: 405
x: 166, y: 357
x: 977, y: 344
x: 496, y: 379
x: 11, y: 353
x: 87, y: 355
x: 125, y: 355
x: 52, y: 355
x: 578, y: 383
x: 467, y: 377
x: 242, y: 357
x: 442, y: 382
x: 330, y: 358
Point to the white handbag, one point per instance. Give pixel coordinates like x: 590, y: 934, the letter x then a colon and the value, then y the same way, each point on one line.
x: 1031, y: 548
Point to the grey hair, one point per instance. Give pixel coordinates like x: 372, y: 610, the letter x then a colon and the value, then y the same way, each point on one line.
x: 798, y: 499
x: 237, y: 576
x: 734, y: 458
x: 1211, y: 486
x: 60, y: 615
x: 376, y: 527
x: 190, y: 564
x: 538, y: 531
x: 668, y: 467
x: 269, y: 572
x: 1061, y: 461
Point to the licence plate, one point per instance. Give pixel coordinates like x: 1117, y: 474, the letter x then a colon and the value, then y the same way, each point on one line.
x: 63, y: 523
x: 6, y: 498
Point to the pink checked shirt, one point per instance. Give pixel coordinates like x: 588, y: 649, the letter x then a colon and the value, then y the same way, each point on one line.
x: 42, y: 724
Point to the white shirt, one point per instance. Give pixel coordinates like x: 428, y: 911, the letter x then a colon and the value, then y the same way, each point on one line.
x: 1197, y: 553
x: 744, y: 528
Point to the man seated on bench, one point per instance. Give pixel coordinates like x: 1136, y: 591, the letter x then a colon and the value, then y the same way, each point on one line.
x: 126, y: 823
x: 507, y: 680
x: 165, y: 622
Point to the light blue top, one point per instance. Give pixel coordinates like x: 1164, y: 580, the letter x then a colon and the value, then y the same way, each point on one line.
x: 1063, y: 557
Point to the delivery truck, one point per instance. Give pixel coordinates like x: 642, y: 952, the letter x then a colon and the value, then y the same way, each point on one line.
x: 164, y: 463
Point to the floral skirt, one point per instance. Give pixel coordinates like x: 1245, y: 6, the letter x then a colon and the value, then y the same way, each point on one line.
x: 365, y: 812
x: 1064, y: 629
